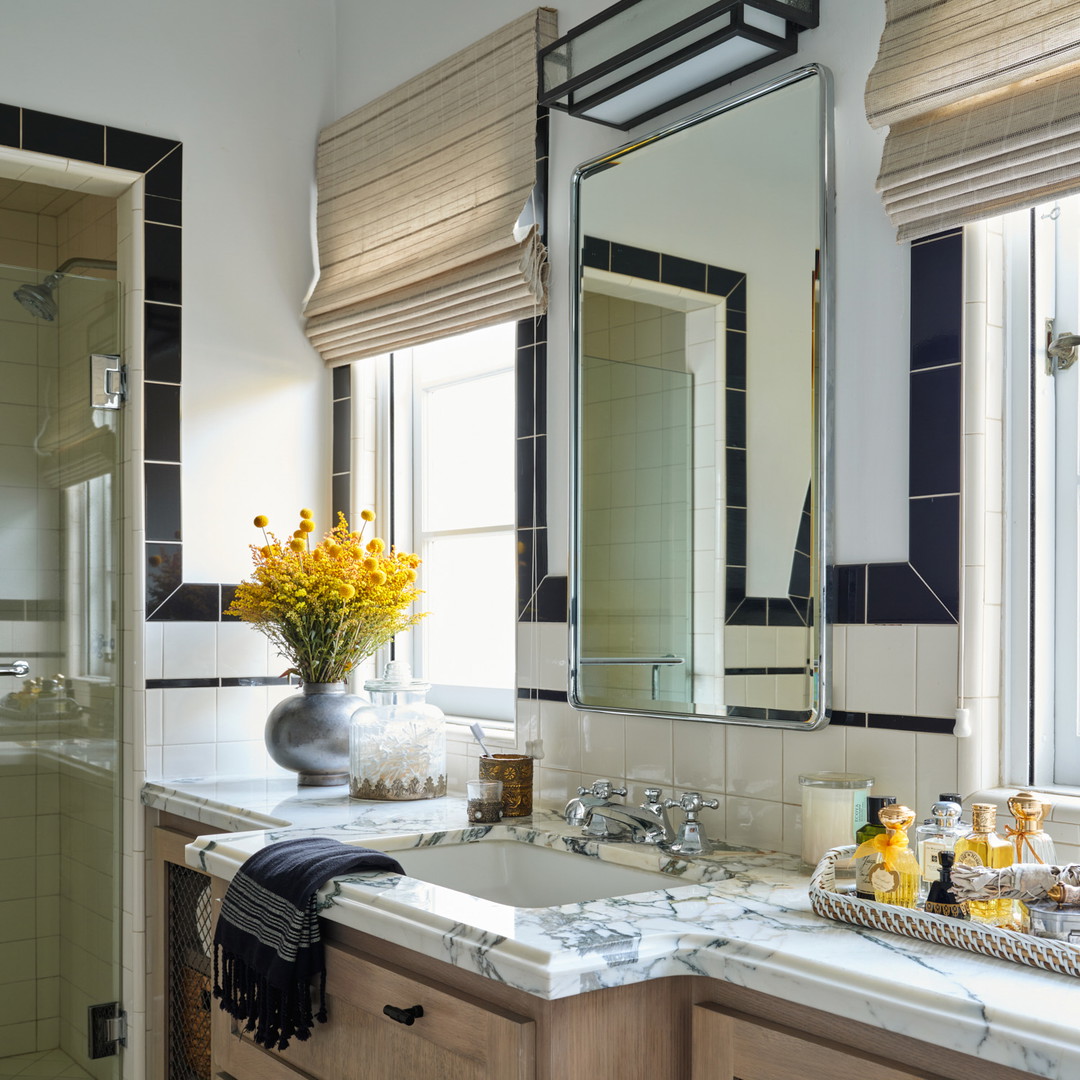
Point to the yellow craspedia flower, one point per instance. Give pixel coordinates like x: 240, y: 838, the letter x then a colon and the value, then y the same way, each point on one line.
x: 378, y: 578
x: 333, y: 550
x: 299, y: 534
x: 345, y: 590
x: 261, y: 521
x: 411, y: 575
x: 367, y: 515
x: 296, y: 544
x: 376, y: 546
x: 371, y: 564
x: 307, y: 525
x: 306, y: 515
x: 265, y: 551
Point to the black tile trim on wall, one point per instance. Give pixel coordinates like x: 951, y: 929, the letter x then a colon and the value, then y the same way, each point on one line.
x: 926, y: 588
x: 160, y: 161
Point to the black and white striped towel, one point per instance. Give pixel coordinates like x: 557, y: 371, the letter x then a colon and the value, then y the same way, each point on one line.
x: 267, y: 945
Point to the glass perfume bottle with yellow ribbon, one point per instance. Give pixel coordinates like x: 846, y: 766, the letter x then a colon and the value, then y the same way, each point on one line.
x: 1031, y: 843
x: 895, y: 873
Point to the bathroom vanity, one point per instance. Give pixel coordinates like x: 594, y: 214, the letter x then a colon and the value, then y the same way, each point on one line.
x: 721, y: 970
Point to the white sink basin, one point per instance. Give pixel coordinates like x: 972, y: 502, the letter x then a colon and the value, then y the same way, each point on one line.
x: 525, y: 875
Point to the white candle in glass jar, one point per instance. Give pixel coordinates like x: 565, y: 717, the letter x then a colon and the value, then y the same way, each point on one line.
x: 833, y: 808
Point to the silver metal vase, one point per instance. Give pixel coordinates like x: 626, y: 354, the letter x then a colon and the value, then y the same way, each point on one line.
x: 308, y: 733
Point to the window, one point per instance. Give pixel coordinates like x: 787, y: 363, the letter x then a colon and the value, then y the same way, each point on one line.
x: 1042, y: 303
x: 452, y: 501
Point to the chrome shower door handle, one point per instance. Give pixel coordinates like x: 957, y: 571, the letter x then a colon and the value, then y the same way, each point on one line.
x: 18, y: 668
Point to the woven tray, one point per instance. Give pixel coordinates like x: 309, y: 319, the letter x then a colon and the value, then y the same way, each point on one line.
x: 989, y: 940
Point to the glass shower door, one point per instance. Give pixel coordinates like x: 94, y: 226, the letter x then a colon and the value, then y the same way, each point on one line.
x: 60, y: 779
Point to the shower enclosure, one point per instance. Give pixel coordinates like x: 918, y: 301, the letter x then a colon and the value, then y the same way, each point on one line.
x: 60, y: 836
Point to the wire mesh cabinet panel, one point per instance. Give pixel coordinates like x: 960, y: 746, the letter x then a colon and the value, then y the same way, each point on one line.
x: 181, y: 986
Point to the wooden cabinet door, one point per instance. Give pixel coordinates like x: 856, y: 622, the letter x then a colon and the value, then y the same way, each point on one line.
x: 730, y: 1046
x: 457, y: 1038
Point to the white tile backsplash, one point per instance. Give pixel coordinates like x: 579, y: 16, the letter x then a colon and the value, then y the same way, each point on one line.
x: 189, y: 650
x: 880, y: 666
x: 755, y: 760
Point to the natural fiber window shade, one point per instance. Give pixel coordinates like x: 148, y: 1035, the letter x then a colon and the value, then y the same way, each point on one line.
x: 983, y: 99
x: 418, y: 196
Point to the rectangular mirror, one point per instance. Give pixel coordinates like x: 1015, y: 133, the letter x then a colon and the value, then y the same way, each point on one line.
x: 701, y: 317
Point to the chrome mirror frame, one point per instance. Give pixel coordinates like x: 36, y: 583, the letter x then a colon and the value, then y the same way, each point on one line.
x: 818, y: 671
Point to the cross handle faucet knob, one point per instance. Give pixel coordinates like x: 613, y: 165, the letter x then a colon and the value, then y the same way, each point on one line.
x: 602, y: 789
x: 692, y: 803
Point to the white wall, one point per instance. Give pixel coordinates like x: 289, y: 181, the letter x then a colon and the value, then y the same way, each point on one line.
x: 245, y: 85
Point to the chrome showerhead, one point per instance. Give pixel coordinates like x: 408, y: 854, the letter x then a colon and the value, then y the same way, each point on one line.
x: 38, y: 299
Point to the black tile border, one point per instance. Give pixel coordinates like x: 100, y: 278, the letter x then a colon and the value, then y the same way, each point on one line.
x: 219, y: 682
x: 160, y: 161
x: 925, y: 589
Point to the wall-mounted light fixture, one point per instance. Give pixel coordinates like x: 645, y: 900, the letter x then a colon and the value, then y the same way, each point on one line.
x: 639, y: 58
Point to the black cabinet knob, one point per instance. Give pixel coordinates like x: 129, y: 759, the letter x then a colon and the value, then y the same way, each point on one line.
x: 404, y: 1016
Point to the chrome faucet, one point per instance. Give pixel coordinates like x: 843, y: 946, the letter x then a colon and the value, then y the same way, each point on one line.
x: 603, y: 819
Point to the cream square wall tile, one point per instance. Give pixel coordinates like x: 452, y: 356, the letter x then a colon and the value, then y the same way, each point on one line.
x: 241, y: 651
x: 755, y: 762
x: 189, y: 715
x: 792, y: 836
x: 542, y: 655
x: 887, y: 756
x: 189, y: 650
x: 241, y: 713
x: 880, y: 666
x: 190, y: 761
x: 700, y: 752
x: 811, y: 752
x: 603, y: 746
x: 936, y: 770
x: 936, y: 662
x: 560, y: 730
x: 755, y: 823
x: 241, y: 758
x: 648, y: 749
x: 553, y: 788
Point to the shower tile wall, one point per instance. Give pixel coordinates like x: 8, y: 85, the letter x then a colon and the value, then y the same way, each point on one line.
x: 636, y: 492
x: 55, y: 835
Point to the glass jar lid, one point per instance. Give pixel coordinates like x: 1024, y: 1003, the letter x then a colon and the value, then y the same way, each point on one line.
x: 837, y: 780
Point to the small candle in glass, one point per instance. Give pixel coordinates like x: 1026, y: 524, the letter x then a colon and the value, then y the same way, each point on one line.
x: 485, y: 805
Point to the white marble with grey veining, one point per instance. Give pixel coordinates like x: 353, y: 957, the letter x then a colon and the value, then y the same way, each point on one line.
x: 741, y: 917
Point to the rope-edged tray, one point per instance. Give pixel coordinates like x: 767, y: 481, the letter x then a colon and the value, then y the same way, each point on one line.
x: 989, y: 940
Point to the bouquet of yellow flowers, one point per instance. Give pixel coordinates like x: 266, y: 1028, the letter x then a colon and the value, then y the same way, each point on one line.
x: 329, y: 606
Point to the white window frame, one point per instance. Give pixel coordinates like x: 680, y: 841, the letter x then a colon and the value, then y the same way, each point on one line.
x: 1040, y: 633
x: 401, y: 443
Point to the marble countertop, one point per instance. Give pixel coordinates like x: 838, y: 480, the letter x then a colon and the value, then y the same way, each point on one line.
x: 739, y: 916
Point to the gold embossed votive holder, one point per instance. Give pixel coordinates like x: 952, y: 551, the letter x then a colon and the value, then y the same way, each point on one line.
x: 516, y: 773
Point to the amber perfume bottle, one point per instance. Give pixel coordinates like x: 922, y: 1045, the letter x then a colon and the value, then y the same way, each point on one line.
x: 983, y: 847
x: 1031, y: 843
x: 894, y: 875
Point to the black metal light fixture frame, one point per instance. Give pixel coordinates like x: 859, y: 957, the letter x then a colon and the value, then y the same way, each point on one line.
x: 579, y: 93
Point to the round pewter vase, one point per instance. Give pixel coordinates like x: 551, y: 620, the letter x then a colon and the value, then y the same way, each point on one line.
x: 308, y: 733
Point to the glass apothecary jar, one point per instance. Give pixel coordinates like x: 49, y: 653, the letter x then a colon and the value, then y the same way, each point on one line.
x: 397, y: 744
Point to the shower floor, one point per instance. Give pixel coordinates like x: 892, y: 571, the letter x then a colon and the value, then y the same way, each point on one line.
x: 42, y: 1064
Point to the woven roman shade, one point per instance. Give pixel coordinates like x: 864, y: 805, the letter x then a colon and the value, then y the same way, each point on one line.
x: 419, y: 198
x: 982, y: 99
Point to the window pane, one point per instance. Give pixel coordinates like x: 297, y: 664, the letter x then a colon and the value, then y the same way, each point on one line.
x: 468, y: 433
x: 469, y: 584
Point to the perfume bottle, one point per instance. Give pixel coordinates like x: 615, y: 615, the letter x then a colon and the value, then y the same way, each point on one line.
x: 895, y: 873
x: 983, y: 847
x: 932, y: 838
x: 873, y: 827
x: 941, y: 899
x: 1030, y: 842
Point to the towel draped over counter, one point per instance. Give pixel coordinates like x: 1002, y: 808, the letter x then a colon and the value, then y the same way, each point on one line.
x: 267, y: 944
